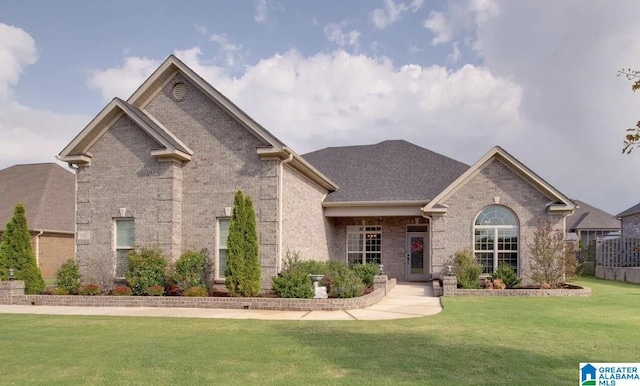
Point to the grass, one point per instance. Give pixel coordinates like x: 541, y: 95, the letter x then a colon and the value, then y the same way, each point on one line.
x: 474, y: 341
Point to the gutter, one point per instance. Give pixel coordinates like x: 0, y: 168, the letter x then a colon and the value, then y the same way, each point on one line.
x: 280, y: 203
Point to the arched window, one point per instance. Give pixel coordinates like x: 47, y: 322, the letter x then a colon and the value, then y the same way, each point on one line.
x: 496, y: 238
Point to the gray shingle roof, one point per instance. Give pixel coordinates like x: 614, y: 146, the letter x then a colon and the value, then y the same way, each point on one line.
x: 388, y: 171
x: 633, y: 210
x: 588, y: 217
x: 47, y: 191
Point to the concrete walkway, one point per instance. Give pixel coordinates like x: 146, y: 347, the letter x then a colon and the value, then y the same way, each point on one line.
x: 406, y: 300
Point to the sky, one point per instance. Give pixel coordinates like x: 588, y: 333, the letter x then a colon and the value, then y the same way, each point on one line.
x: 536, y: 77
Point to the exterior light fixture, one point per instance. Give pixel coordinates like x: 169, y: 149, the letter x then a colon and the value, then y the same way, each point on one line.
x: 381, y: 269
x: 449, y: 270
x: 12, y: 274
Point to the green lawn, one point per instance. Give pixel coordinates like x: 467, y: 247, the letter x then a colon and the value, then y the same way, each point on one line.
x: 474, y: 341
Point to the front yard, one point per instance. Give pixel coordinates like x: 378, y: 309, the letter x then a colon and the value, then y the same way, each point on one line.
x: 475, y: 340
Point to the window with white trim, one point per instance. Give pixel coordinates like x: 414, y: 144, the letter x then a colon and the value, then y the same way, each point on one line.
x: 124, y: 244
x: 223, y: 233
x: 496, y: 238
x: 364, y: 244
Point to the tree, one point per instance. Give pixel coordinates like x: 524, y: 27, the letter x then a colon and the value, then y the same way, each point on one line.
x: 242, y: 276
x: 16, y: 252
x: 632, y: 139
x: 551, y: 261
x: 251, y: 286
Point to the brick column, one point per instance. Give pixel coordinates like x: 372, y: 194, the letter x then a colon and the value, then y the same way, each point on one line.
x: 380, y: 281
x: 449, y: 285
x: 9, y: 289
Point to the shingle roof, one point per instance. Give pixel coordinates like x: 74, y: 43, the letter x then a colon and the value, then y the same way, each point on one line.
x: 47, y: 191
x: 633, y: 210
x: 588, y: 217
x: 388, y: 171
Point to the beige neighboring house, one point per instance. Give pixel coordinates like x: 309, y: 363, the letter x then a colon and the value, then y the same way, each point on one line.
x: 47, y: 191
x: 161, y: 168
x: 589, y: 223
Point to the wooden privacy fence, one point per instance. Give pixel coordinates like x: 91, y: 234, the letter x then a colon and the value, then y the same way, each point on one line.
x: 622, y: 252
x: 587, y: 259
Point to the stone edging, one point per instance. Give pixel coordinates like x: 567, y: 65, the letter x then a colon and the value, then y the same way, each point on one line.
x: 10, y: 294
x: 449, y: 288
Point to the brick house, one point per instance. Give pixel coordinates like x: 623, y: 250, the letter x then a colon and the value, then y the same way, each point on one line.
x: 162, y: 167
x: 47, y: 191
x: 630, y: 222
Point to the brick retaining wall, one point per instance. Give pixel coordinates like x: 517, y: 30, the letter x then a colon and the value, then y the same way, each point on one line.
x: 10, y: 294
x: 450, y: 283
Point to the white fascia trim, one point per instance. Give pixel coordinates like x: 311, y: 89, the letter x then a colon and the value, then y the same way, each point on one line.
x: 300, y: 164
x: 419, y: 203
x: 171, y: 154
x: 76, y: 159
x: 87, y: 129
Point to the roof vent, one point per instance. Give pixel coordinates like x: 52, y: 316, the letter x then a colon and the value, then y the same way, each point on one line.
x: 179, y: 91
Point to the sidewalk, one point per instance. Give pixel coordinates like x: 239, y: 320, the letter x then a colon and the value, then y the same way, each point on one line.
x: 406, y: 300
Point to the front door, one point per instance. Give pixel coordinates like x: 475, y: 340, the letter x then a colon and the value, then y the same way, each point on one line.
x: 417, y: 253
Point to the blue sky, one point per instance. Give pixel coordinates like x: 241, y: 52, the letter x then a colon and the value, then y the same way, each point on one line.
x: 457, y: 77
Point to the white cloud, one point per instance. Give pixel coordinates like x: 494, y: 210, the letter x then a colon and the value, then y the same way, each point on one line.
x: 455, y: 55
x: 17, y: 51
x: 460, y: 17
x: 261, y: 11
x: 392, y: 12
x: 122, y: 81
x: 437, y: 23
x: 334, y: 33
x: 232, y: 52
x: 28, y: 135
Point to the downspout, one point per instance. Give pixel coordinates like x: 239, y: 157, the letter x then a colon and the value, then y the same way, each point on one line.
x: 430, y: 244
x: 280, y: 202
x: 76, y: 169
x: 38, y: 248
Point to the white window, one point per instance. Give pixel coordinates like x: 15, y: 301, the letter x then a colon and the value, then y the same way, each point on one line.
x: 496, y: 238
x: 364, y: 244
x: 124, y: 244
x: 223, y: 233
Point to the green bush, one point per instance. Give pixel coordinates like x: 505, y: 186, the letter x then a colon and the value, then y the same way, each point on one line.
x: 507, y: 275
x: 191, y: 269
x: 68, y: 277
x: 366, y: 272
x: 294, y: 280
x: 196, y: 291
x: 145, y: 268
x: 467, y: 269
x: 59, y: 291
x: 16, y: 253
x: 122, y: 290
x: 155, y: 290
x: 345, y: 284
x: 89, y: 289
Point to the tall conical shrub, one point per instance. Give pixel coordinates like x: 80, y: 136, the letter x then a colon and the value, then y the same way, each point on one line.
x: 16, y: 252
x: 243, y: 264
x: 235, y: 246
x: 251, y: 283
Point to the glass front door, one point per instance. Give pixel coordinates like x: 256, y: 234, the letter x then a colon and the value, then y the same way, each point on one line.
x: 417, y: 255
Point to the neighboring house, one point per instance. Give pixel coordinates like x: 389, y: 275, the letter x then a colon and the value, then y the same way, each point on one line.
x: 590, y: 223
x: 47, y: 191
x: 630, y: 220
x: 162, y: 167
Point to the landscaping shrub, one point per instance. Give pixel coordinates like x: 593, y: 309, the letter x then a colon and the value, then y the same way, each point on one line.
x: 68, y: 277
x: 507, y: 275
x: 89, y: 289
x: 145, y: 268
x: 242, y: 275
x: 345, y: 284
x: 196, y: 291
x: 16, y: 253
x: 172, y: 289
x: 155, y: 290
x: 191, y: 269
x: 366, y: 272
x: 467, y: 269
x: 552, y: 262
x: 59, y: 291
x: 294, y: 280
x: 122, y: 290
x: 99, y: 270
